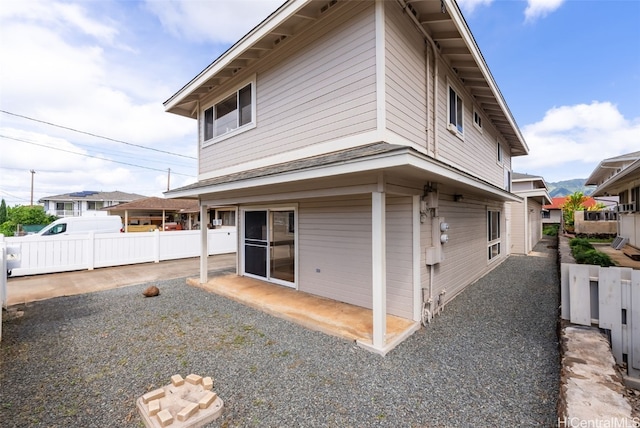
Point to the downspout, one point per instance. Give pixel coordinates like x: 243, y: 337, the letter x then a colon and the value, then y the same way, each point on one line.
x: 427, y: 37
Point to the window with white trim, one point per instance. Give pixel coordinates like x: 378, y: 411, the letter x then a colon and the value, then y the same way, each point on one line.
x: 456, y: 112
x: 232, y: 113
x: 499, y: 154
x: 493, y: 233
x: 477, y: 120
x: 507, y: 180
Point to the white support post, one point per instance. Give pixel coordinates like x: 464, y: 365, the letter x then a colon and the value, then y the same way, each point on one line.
x: 204, y: 249
x: 417, y: 286
x: 379, y: 270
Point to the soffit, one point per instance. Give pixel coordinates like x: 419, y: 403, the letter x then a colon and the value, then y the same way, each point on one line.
x: 444, y: 22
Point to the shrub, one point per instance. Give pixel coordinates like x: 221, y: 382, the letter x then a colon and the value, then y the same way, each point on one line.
x: 580, y: 242
x: 593, y: 257
x: 551, y: 230
x: 584, y: 253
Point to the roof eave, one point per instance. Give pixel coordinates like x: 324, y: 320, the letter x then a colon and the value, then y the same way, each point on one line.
x: 522, y: 148
x: 280, y: 15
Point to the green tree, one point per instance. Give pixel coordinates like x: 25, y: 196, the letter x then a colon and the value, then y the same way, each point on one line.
x: 3, y: 211
x: 24, y: 215
x: 574, y: 202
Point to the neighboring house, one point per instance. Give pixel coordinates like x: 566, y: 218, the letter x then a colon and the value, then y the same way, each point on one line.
x: 552, y: 213
x: 620, y: 176
x: 526, y: 216
x: 152, y: 213
x: 367, y: 149
x: 167, y: 214
x: 86, y: 202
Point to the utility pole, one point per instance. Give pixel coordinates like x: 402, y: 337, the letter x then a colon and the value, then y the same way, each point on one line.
x: 168, y: 178
x: 32, y: 174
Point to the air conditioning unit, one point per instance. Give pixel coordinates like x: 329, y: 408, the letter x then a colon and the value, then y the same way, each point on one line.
x: 216, y: 222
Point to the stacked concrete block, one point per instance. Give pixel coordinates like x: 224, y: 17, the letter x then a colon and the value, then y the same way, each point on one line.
x: 185, y: 402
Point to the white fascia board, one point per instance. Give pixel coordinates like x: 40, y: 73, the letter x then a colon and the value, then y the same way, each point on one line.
x: 465, y: 32
x: 255, y: 35
x: 535, y: 193
x: 380, y: 162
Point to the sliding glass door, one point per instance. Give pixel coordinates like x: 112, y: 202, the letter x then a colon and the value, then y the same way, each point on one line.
x: 270, y: 245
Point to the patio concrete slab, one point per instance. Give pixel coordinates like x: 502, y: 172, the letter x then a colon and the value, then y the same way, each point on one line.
x: 313, y: 312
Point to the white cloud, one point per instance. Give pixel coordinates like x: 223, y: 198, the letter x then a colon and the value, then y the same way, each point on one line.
x: 540, y: 8
x: 61, y: 16
x: 209, y: 21
x: 577, y: 137
x: 468, y: 6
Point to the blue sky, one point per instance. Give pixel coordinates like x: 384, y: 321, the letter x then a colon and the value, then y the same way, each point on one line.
x: 568, y: 69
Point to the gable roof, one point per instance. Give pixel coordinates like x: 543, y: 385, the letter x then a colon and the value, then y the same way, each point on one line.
x: 440, y: 21
x: 90, y: 195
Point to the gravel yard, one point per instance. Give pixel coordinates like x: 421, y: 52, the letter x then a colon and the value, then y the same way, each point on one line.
x: 491, y: 359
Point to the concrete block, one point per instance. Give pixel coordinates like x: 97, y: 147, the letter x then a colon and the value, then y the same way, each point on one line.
x: 187, y: 412
x: 207, y: 383
x: 154, y: 407
x: 194, y: 379
x: 165, y: 418
x: 208, y: 398
x: 153, y: 395
x: 177, y: 380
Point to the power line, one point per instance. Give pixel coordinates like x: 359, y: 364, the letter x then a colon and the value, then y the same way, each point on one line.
x: 91, y: 156
x: 95, y: 135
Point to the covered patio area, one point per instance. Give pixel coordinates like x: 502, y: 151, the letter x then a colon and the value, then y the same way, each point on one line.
x: 328, y: 316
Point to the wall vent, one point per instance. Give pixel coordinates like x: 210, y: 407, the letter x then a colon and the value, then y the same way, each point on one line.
x: 328, y: 6
x: 412, y: 10
x: 277, y: 41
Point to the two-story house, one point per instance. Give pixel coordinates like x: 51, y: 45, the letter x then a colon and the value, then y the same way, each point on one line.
x: 526, y: 217
x: 367, y: 149
x: 86, y: 202
x: 620, y: 176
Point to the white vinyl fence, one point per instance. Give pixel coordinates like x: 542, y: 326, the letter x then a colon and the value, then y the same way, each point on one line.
x: 610, y: 299
x: 30, y: 255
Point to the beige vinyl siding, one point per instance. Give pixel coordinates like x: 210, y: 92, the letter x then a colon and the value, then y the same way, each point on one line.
x: 317, y: 87
x: 406, y: 84
x: 399, y: 256
x: 335, y: 251
x: 465, y: 255
x: 517, y: 227
x: 477, y: 152
x: 535, y: 222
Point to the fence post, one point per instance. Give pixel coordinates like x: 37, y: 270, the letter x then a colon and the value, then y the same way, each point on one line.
x: 3, y: 276
x: 634, y: 319
x: 92, y: 250
x: 156, y: 245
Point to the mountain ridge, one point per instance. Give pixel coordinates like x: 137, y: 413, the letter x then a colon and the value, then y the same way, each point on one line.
x: 568, y: 187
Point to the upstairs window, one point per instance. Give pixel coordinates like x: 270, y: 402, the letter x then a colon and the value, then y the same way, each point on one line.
x: 499, y: 155
x: 477, y: 120
x: 456, y: 109
x: 232, y: 113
